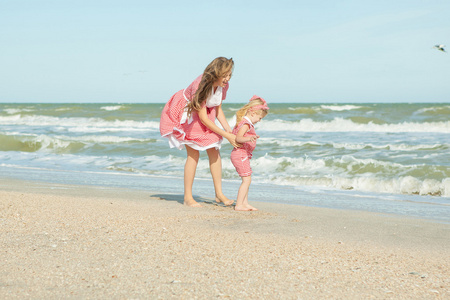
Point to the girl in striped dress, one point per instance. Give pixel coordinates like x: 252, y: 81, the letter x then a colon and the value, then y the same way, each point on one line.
x: 188, y: 121
x: 246, y: 118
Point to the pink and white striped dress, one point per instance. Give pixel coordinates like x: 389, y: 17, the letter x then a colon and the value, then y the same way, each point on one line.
x: 180, y: 130
x: 240, y: 157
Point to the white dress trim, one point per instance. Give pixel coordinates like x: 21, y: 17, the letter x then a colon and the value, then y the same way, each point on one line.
x: 213, y: 100
x: 248, y: 119
x: 174, y: 143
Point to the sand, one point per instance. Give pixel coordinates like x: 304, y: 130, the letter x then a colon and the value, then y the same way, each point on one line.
x: 60, y: 241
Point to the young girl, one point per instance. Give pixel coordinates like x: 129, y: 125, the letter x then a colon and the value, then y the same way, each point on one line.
x: 246, y: 117
x: 188, y: 121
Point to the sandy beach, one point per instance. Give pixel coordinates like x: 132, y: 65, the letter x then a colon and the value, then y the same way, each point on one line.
x: 61, y: 241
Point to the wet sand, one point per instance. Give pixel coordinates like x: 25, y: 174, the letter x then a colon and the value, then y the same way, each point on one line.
x: 61, y: 241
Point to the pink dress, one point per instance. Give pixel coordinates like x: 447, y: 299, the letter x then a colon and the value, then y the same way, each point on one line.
x: 180, y: 130
x: 240, y: 157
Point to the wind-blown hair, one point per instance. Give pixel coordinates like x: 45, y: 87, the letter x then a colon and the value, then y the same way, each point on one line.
x: 263, y: 109
x: 219, y: 67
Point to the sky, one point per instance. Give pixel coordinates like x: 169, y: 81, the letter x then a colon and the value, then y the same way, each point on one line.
x: 143, y: 51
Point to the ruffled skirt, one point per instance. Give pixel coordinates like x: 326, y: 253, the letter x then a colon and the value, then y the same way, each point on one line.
x: 180, y: 131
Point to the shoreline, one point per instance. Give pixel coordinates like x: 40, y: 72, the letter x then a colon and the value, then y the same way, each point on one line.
x: 63, y: 241
x: 434, y: 209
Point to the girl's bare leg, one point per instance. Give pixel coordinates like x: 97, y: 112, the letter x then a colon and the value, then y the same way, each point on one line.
x: 189, y: 174
x: 246, y: 203
x: 215, y: 166
x: 242, y: 198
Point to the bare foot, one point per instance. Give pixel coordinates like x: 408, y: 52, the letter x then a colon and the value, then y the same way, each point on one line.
x: 224, y: 200
x: 242, y: 208
x: 191, y: 202
x: 251, y: 207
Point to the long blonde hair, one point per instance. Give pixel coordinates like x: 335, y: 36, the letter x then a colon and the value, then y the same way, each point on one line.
x: 219, y: 67
x: 263, y: 109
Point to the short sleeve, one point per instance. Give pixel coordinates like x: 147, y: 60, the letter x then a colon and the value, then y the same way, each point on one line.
x: 189, y: 92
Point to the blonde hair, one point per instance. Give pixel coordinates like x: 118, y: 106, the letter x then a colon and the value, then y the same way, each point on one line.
x: 243, y: 111
x: 219, y: 67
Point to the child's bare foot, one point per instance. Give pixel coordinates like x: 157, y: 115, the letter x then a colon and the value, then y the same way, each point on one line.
x: 191, y: 202
x: 242, y: 208
x: 224, y: 200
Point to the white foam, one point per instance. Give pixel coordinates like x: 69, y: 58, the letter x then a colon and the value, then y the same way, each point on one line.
x: 58, y: 142
x: 103, y: 139
x: 433, y: 109
x: 99, y: 129
x: 344, y: 125
x: 111, y: 108
x: 285, y: 142
x: 340, y: 107
x: 402, y: 185
x: 12, y: 111
x: 347, y: 173
x: 99, y: 139
x: 49, y: 142
x: 80, y: 124
x: 398, y: 147
x: 289, y: 143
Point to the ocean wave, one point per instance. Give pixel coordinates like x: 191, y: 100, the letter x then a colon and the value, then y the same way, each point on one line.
x: 13, y: 111
x: 299, y: 110
x: 394, y: 147
x: 407, y: 185
x: 35, y: 143
x: 342, y: 153
x: 313, y: 109
x: 286, y: 143
x: 289, y: 144
x: 348, y: 172
x: 60, y: 143
x: 104, y: 128
x: 435, y: 110
x: 80, y: 124
x: 340, y: 107
x: 111, y: 108
x: 344, y: 125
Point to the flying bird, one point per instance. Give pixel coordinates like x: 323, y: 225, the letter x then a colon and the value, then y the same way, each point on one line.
x: 440, y: 47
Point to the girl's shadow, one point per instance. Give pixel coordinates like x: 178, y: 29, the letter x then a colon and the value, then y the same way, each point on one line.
x: 180, y: 198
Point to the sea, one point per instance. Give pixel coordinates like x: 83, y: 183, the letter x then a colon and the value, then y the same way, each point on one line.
x: 388, y: 158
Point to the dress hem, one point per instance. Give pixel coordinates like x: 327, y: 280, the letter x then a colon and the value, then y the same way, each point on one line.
x: 176, y: 143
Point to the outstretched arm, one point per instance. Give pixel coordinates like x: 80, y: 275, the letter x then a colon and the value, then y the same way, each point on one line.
x: 222, y: 119
x: 211, y: 125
